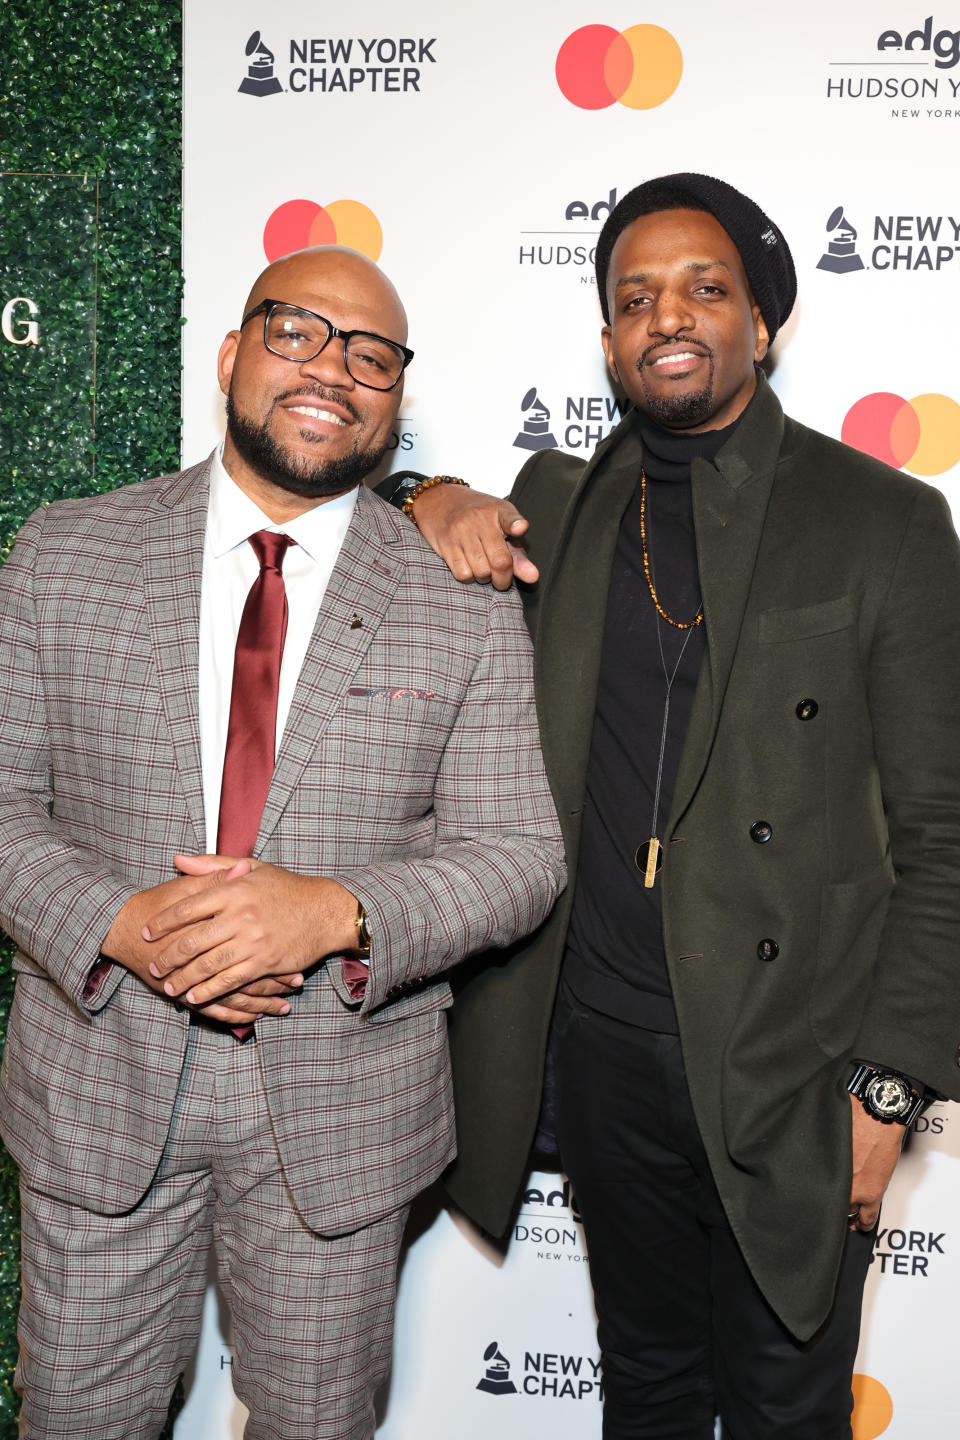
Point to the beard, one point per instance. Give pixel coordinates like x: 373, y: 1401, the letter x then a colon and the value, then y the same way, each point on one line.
x: 682, y: 410
x: 312, y: 479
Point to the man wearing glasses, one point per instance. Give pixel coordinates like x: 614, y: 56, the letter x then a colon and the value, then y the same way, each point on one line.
x: 252, y: 673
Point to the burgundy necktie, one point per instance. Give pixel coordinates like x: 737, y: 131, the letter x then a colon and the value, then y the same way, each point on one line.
x: 252, y: 729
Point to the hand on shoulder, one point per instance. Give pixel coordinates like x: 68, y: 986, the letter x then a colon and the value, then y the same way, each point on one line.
x: 475, y: 534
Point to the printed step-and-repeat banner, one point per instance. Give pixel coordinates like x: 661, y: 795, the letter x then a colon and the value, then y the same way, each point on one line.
x: 475, y: 156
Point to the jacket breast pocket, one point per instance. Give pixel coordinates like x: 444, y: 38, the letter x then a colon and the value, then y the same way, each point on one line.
x: 776, y: 627
x: 402, y: 717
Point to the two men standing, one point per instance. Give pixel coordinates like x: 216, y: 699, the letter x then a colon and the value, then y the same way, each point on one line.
x: 748, y: 674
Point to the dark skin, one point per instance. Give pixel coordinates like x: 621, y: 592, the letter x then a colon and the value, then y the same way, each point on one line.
x: 231, y: 937
x: 684, y: 335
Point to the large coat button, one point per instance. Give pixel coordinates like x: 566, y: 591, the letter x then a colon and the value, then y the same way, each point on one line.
x: 761, y: 831
x: 807, y: 709
x: 768, y: 950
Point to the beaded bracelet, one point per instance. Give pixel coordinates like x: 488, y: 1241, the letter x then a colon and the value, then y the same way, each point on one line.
x: 407, y: 506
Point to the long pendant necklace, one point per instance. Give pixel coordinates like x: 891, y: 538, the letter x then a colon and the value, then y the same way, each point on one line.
x: 649, y: 856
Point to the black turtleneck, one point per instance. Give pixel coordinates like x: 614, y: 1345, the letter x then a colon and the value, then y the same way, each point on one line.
x: 615, y: 959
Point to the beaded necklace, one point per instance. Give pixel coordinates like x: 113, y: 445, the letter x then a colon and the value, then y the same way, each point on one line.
x: 649, y: 856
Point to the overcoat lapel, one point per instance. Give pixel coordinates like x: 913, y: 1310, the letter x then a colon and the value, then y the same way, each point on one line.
x: 573, y: 609
x: 730, y: 500
x: 362, y: 585
x: 173, y: 538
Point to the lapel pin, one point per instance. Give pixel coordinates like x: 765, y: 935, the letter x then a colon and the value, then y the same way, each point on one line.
x: 356, y: 622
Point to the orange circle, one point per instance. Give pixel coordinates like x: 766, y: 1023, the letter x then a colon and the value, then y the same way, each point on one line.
x: 357, y: 226
x: 657, y: 67
x: 937, y: 446
x: 872, y: 1408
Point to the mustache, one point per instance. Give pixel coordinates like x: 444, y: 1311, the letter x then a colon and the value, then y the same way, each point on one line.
x: 318, y: 392
x: 652, y: 350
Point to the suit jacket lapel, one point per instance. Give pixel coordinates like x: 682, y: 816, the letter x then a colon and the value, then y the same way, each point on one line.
x: 367, y: 572
x: 173, y: 534
x: 730, y: 502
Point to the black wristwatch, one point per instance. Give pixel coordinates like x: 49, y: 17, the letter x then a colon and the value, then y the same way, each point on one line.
x: 887, y: 1095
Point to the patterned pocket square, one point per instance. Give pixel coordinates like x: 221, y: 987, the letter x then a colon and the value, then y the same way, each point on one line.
x: 390, y: 693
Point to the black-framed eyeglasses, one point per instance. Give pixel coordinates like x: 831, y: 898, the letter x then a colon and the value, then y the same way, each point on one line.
x: 300, y: 335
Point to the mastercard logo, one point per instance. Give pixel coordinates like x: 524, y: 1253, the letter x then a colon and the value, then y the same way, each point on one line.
x: 640, y: 67
x: 921, y: 435
x: 299, y: 223
x: 872, y: 1408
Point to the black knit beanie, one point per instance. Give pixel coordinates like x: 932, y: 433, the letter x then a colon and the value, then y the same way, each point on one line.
x: 765, y: 254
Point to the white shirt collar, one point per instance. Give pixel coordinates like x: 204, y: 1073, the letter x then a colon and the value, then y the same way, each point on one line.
x: 232, y: 517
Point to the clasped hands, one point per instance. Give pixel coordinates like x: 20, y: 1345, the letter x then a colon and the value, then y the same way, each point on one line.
x: 232, y: 938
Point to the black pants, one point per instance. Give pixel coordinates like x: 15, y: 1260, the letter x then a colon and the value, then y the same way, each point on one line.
x: 684, y: 1331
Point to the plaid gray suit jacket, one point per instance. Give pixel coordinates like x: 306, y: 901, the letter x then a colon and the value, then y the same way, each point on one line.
x: 409, y: 769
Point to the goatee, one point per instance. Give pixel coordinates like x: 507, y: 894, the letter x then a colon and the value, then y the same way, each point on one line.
x: 313, y: 479
x: 679, y: 412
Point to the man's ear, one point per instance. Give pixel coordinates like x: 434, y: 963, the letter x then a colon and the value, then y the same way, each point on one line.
x: 226, y: 359
x: 762, y: 333
x: 606, y: 340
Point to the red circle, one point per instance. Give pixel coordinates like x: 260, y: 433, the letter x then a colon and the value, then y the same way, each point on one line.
x: 288, y: 228
x: 868, y: 424
x: 582, y: 62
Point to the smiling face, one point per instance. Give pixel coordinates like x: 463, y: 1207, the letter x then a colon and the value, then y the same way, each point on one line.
x: 684, y: 329
x: 300, y: 432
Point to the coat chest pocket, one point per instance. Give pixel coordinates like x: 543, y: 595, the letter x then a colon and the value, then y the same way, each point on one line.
x: 776, y: 627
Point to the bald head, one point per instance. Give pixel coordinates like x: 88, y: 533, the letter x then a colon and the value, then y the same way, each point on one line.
x: 339, y: 273
x: 301, y: 427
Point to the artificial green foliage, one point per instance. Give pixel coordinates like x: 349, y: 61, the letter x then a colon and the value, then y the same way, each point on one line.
x: 48, y: 257
x: 89, y: 91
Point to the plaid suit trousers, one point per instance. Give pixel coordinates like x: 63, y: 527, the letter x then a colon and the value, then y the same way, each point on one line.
x: 112, y: 1304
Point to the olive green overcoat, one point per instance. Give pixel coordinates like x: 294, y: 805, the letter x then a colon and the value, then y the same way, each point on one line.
x: 826, y: 577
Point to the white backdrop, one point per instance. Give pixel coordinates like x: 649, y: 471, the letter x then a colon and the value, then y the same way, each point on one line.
x: 475, y: 155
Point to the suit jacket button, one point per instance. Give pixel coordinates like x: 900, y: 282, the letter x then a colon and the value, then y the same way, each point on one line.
x: 768, y: 950
x: 807, y: 709
x: 761, y: 831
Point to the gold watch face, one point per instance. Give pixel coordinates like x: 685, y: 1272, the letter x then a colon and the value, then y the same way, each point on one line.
x: 887, y: 1095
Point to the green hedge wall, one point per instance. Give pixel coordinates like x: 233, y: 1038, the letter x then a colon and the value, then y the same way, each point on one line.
x: 94, y: 88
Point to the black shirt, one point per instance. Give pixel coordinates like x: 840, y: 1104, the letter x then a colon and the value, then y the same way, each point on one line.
x: 615, y: 958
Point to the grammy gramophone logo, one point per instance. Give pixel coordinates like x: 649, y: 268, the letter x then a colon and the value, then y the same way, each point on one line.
x: 535, y: 433
x: 259, y: 79
x: 840, y: 256
x: 496, y: 1378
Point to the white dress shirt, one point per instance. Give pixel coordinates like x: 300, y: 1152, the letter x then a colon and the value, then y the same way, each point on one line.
x: 230, y: 568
